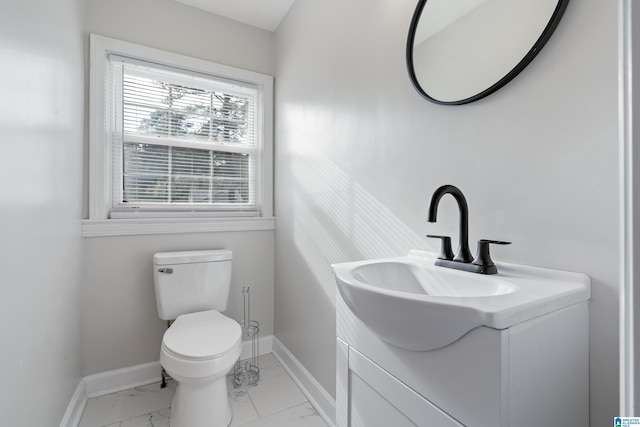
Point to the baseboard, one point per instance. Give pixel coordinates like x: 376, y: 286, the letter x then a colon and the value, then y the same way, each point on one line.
x: 76, y: 406
x: 317, y: 395
x: 265, y: 346
x: 147, y: 373
x: 134, y: 376
x: 122, y: 379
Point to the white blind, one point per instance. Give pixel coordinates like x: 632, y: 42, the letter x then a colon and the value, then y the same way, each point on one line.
x: 182, y: 140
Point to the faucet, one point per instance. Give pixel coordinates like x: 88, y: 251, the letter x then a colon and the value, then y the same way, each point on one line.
x: 463, y: 255
x: 463, y: 260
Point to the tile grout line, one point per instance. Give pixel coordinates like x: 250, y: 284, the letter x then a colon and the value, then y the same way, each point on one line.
x: 256, y: 385
x: 285, y: 373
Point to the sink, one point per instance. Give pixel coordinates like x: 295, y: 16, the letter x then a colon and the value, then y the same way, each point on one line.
x: 413, y: 304
x: 413, y: 278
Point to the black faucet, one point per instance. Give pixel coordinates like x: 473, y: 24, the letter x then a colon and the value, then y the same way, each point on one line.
x: 463, y: 255
x: 463, y: 260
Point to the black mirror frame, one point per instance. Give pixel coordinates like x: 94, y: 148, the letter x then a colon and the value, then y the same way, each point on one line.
x: 544, y: 37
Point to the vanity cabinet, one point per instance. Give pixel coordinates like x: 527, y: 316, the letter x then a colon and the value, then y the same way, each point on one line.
x: 532, y: 374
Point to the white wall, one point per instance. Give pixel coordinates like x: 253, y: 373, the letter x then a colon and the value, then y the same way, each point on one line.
x: 175, y: 27
x: 359, y: 154
x: 42, y: 126
x: 120, y: 325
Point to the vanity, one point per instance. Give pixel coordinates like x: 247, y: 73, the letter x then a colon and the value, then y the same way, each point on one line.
x: 422, y: 345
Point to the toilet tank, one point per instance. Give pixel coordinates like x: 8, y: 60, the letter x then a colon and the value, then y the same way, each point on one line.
x: 191, y: 281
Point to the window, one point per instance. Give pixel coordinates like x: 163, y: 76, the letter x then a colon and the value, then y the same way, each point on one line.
x: 181, y: 141
x: 175, y: 137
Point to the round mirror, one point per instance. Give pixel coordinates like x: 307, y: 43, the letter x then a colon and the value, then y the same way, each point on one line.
x: 459, y: 51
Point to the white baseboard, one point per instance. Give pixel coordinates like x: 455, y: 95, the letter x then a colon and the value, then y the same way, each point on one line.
x: 122, y: 379
x: 134, y: 376
x: 265, y: 346
x: 147, y: 373
x: 76, y: 406
x: 317, y: 395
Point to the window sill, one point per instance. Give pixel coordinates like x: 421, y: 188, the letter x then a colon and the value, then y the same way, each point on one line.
x: 134, y: 227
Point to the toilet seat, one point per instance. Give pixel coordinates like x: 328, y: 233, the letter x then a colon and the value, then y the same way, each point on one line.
x: 201, y: 336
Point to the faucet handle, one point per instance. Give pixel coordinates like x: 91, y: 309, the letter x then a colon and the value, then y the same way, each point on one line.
x: 483, y: 258
x: 446, y: 252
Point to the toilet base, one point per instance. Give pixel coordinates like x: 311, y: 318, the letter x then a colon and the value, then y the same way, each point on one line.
x: 201, y: 405
x: 201, y: 399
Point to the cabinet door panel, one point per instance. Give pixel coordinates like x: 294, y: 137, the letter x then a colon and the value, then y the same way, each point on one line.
x: 368, y: 408
x: 377, y: 399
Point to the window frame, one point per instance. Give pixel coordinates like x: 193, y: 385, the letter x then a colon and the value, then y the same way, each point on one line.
x: 100, y: 145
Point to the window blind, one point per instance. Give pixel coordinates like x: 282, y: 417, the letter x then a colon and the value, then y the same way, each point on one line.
x: 182, y: 140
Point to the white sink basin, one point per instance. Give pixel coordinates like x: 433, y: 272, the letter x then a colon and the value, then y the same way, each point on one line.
x: 413, y: 304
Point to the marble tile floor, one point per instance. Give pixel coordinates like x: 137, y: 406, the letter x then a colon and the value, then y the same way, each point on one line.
x: 275, y: 401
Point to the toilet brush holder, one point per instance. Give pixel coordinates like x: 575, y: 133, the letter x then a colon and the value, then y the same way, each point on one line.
x: 247, y: 372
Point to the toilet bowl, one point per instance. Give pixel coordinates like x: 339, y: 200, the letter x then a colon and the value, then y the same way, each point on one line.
x: 198, y: 350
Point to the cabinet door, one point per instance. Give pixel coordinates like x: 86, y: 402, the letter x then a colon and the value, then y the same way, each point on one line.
x: 377, y: 399
x: 369, y: 408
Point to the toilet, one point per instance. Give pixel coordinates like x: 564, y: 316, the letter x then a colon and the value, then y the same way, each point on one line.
x: 201, y: 345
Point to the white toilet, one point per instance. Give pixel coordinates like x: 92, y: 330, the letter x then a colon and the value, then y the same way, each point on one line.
x: 202, y: 345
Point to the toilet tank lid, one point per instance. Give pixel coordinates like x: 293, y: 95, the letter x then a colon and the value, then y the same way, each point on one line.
x: 187, y: 257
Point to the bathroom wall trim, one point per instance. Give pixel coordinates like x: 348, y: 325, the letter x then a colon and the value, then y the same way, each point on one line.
x: 317, y: 395
x: 629, y: 164
x: 265, y: 346
x: 134, y: 376
x: 76, y: 406
x: 134, y: 227
x: 122, y: 379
